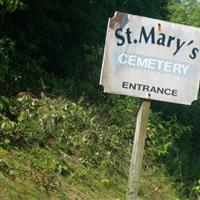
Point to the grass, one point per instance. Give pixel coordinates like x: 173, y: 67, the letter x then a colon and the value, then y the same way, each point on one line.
x: 22, y: 178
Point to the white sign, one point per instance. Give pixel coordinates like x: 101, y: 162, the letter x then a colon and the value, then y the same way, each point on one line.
x: 151, y: 59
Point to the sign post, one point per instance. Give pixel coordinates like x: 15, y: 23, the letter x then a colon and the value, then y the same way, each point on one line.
x: 153, y: 60
x: 138, y: 150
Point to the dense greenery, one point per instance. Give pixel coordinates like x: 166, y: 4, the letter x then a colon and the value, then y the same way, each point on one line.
x: 61, y: 137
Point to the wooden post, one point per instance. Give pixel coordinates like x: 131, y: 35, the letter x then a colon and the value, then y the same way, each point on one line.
x: 138, y: 150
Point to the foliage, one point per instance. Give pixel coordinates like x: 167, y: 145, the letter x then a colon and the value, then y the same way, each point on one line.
x: 186, y: 12
x: 58, y: 122
x: 63, y: 37
x: 164, y: 135
x: 166, y: 141
x: 60, y: 139
x: 158, y: 186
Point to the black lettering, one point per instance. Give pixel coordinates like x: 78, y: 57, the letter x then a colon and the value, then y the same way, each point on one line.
x: 132, y: 86
x: 128, y: 33
x: 151, y: 35
x: 139, y: 86
x: 125, y: 85
x: 120, y: 37
x: 153, y: 89
x: 160, y: 90
x: 161, y: 40
x: 170, y: 41
x: 193, y: 55
x: 146, y: 87
x: 174, y: 93
x: 178, y: 46
x: 169, y: 91
x: 189, y: 43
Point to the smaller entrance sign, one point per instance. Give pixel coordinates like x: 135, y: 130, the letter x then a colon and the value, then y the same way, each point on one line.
x: 152, y: 59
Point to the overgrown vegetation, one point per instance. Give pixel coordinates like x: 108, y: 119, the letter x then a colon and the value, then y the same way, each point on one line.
x: 61, y: 137
x: 51, y: 141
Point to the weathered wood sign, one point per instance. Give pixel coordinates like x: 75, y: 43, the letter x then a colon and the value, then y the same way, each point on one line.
x: 152, y: 59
